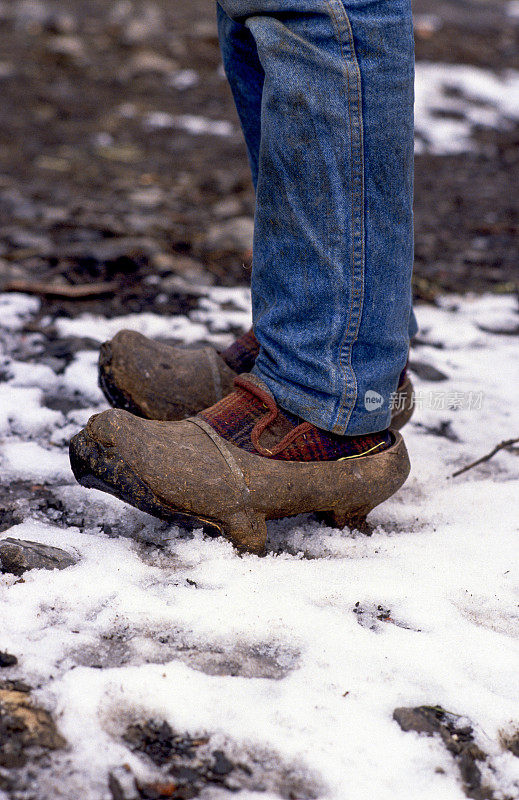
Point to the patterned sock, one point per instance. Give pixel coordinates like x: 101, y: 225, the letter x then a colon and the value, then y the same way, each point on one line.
x: 241, y: 354
x: 249, y: 418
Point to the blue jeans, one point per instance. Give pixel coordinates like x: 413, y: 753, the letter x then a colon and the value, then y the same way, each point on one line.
x: 324, y: 91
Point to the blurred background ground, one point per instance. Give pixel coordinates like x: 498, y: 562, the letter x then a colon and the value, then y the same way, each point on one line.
x: 121, y: 158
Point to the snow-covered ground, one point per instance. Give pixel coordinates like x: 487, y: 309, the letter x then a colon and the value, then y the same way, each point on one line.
x: 304, y: 653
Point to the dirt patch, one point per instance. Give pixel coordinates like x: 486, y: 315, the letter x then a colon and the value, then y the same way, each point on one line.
x: 458, y: 738
x: 22, y: 499
x: 188, y: 765
x: 262, y: 660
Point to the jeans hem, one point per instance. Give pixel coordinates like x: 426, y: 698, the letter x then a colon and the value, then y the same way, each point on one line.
x: 307, y: 407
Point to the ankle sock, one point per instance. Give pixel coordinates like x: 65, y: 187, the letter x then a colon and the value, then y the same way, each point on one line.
x: 241, y: 354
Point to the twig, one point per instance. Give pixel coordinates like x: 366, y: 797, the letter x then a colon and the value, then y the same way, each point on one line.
x: 71, y: 292
x: 497, y: 448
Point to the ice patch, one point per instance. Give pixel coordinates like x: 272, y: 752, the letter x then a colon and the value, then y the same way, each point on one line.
x: 220, y: 311
x: 224, y: 309
x: 80, y: 377
x: 450, y: 100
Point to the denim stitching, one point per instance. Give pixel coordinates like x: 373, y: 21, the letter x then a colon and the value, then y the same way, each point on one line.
x: 361, y: 220
x: 358, y: 233
x: 337, y: 28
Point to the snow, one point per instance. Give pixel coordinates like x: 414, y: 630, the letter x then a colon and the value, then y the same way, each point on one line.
x: 220, y: 310
x: 451, y: 99
x: 30, y: 461
x: 323, y: 687
x: 14, y: 310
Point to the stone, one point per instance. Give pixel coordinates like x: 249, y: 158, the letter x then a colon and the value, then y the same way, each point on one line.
x: 60, y: 23
x: 160, y: 790
x: 7, y: 660
x: 510, y: 741
x: 191, y: 767
x: 232, y: 235
x: 221, y: 764
x: 184, y: 266
x: 228, y: 207
x: 427, y: 372
x: 458, y: 739
x: 67, y: 48
x: 122, y: 785
x: 18, y: 556
x: 147, y: 61
x: 24, y: 725
x: 147, y: 198
x: 419, y: 719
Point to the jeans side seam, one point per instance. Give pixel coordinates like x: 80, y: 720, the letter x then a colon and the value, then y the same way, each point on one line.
x: 349, y: 395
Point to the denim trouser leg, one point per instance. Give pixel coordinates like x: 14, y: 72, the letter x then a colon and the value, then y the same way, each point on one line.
x: 245, y: 75
x: 332, y: 152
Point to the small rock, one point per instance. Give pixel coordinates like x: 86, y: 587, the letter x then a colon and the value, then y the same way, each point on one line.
x: 147, y: 62
x: 427, y: 372
x: 7, y: 70
x: 458, y: 740
x: 206, y: 30
x: 222, y: 765
x: 60, y: 23
x: 67, y: 48
x: 370, y: 615
x: 7, y: 660
x: 23, y: 725
x: 122, y: 785
x: 15, y: 686
x: 161, y: 790
x: 187, y: 268
x: 18, y: 556
x: 233, y: 235
x: 126, y: 153
x: 26, y: 239
x: 138, y: 30
x: 510, y: 741
x: 183, y: 79
x: 147, y: 198
x: 419, y: 719
x: 228, y: 207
